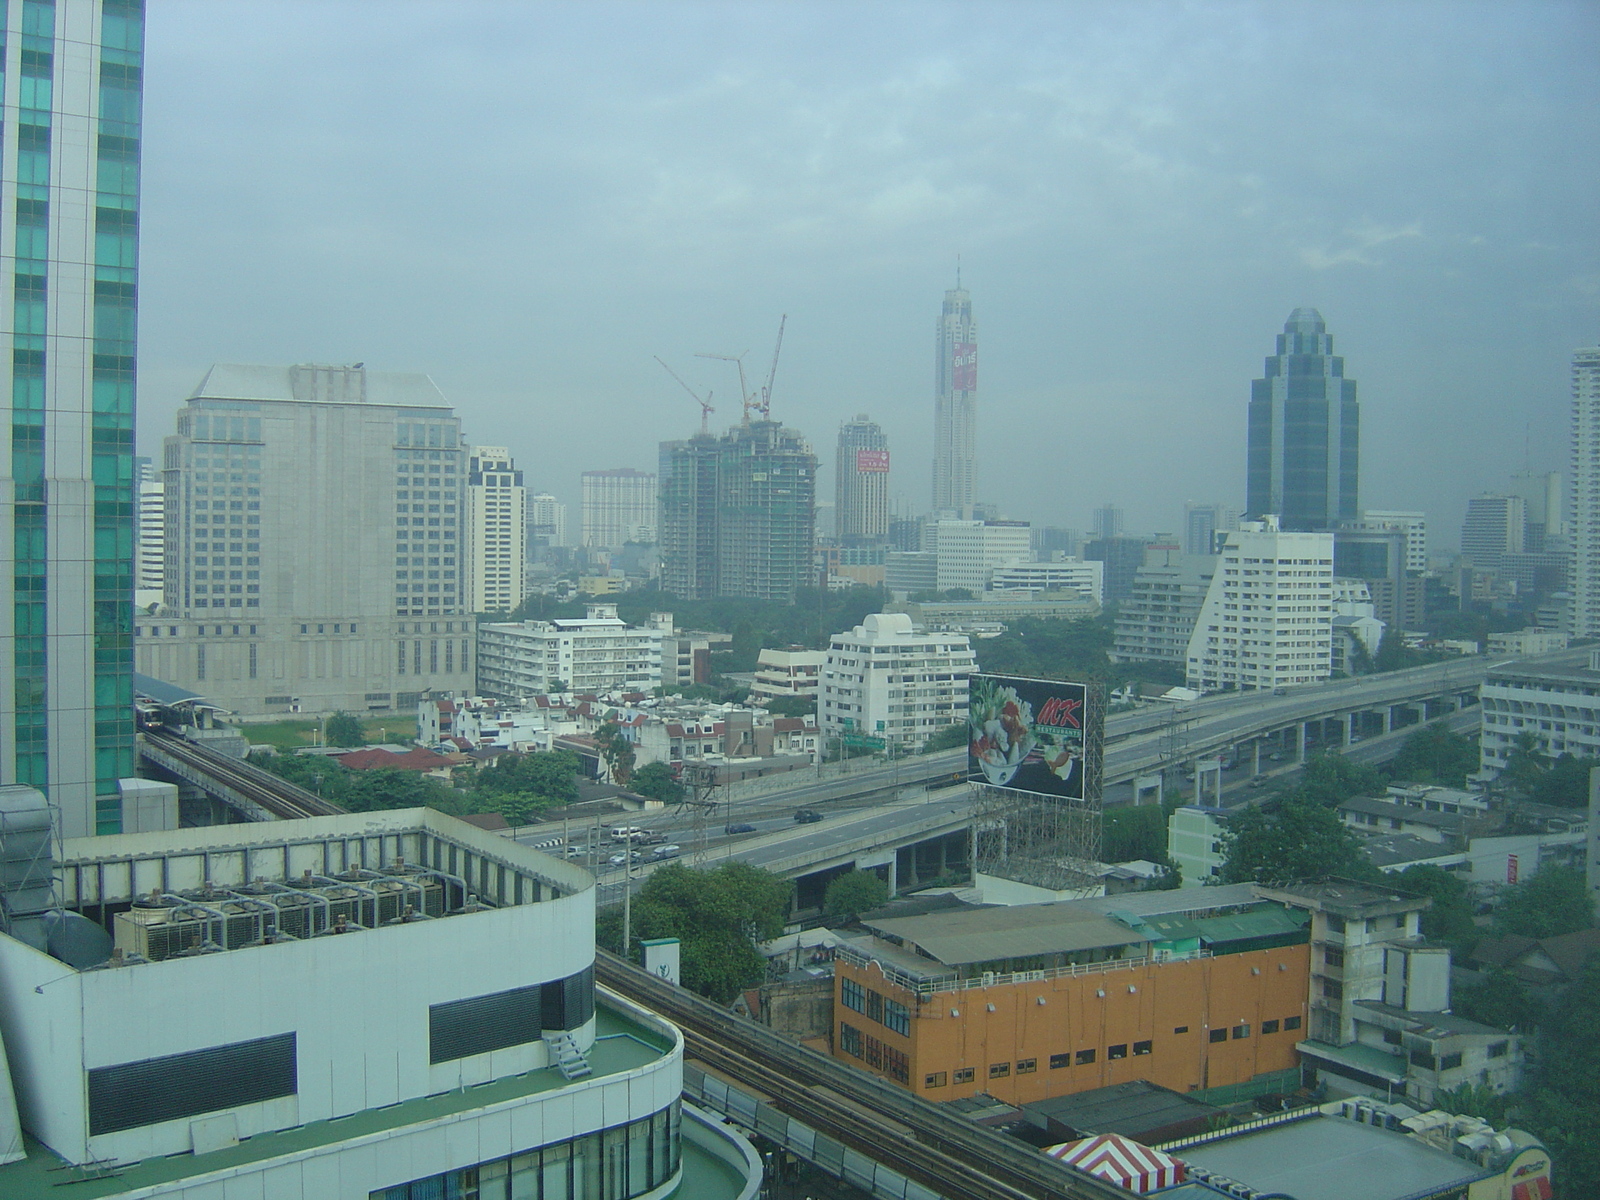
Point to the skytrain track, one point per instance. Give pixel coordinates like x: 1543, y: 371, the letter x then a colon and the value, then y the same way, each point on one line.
x: 945, y: 1153
x: 278, y: 798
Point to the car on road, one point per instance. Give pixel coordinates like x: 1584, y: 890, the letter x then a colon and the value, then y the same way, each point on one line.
x: 667, y: 851
x: 617, y: 860
x: 1259, y: 781
x: 577, y: 852
x: 806, y: 816
x: 739, y: 827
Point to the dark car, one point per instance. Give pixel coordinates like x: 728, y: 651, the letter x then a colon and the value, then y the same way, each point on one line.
x: 806, y: 816
x: 739, y: 827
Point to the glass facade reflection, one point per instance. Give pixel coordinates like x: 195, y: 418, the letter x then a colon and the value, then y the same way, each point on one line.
x: 618, y: 1163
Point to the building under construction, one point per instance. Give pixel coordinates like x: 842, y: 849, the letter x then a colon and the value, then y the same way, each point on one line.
x: 738, y: 513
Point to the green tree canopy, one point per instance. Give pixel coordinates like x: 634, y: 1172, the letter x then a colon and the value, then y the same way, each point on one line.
x: 851, y: 894
x: 1565, y: 783
x: 1449, y: 919
x: 1563, y: 1106
x: 947, y: 738
x: 617, y: 752
x: 791, y: 706
x: 1553, y: 901
x: 718, y: 915
x: 1499, y: 1001
x: 1294, y: 838
x: 1127, y: 833
x: 1435, y: 754
x: 1331, y: 778
x: 551, y: 776
x: 655, y: 780
x: 345, y: 730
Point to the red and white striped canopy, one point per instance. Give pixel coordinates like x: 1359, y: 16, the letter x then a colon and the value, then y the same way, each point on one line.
x: 1122, y: 1161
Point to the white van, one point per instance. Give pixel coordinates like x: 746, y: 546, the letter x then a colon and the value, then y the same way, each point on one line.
x: 627, y: 833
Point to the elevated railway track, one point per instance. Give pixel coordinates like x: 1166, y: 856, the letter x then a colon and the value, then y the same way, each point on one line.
x: 249, y: 789
x: 928, y: 1144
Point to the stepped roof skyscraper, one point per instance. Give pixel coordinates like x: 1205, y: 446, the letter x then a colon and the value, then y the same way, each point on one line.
x: 69, y: 172
x: 861, y: 484
x: 955, y: 419
x: 1303, y: 456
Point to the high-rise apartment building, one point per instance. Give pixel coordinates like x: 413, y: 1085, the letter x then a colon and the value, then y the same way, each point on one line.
x: 1541, y: 498
x: 738, y: 513
x: 1156, y: 621
x: 969, y: 552
x: 150, y: 546
x: 69, y: 183
x: 1303, y: 456
x: 619, y: 507
x: 494, y: 531
x: 1122, y: 556
x: 955, y: 414
x: 547, y: 521
x: 888, y: 684
x: 1267, y: 620
x: 861, y: 484
x: 314, y: 519
x: 1413, y: 524
x: 1379, y: 556
x: 1203, y: 522
x: 1108, y: 521
x: 1494, y: 526
x: 1584, y: 505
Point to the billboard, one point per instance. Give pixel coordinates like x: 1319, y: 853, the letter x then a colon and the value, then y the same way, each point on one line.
x: 869, y: 462
x: 964, y: 375
x: 1027, y: 735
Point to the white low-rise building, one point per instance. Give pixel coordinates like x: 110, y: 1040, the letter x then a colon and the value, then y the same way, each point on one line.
x: 885, y: 681
x: 1556, y: 701
x: 385, y: 1003
x: 786, y: 674
x: 594, y: 654
x: 1059, y: 575
x: 1267, y: 621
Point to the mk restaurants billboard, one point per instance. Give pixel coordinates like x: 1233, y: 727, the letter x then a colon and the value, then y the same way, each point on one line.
x: 1027, y: 734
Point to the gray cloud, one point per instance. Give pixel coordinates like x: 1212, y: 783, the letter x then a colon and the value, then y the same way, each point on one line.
x: 529, y: 201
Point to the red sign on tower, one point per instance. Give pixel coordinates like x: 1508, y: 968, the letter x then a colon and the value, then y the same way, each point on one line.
x: 872, y: 461
x: 964, y: 375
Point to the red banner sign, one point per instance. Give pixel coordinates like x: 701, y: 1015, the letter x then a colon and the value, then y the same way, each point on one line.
x: 964, y: 375
x: 872, y: 461
x: 1511, y: 868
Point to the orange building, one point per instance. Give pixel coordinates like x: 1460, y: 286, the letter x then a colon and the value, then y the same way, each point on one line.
x: 1183, y: 1003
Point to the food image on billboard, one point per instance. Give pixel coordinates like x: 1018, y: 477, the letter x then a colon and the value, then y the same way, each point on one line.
x: 1027, y: 735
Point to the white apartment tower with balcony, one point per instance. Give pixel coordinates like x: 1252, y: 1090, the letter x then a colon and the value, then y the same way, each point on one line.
x: 619, y: 507
x: 1267, y: 620
x: 1584, y: 510
x: 495, y: 531
x: 595, y: 654
x: 885, y: 680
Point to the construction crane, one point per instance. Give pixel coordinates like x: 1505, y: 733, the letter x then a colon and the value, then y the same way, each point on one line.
x: 760, y: 401
x: 705, y: 405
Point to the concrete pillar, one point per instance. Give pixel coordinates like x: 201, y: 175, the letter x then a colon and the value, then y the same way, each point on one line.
x: 1255, y: 755
x: 1143, y: 785
x: 1388, y: 718
x: 1300, y: 742
x: 1349, y: 728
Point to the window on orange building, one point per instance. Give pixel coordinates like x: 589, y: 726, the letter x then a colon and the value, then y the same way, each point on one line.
x: 1241, y: 1031
x: 1218, y: 1035
x: 1085, y: 1057
x: 1269, y: 1027
x: 1141, y: 1047
x: 933, y: 1080
x: 964, y: 1074
x: 1181, y: 1029
x: 999, y: 1070
x: 1027, y: 1066
x: 1057, y: 1061
x: 1291, y: 1023
x: 1120, y: 1051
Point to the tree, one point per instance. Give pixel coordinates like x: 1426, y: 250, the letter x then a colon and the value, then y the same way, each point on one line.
x: 717, y: 915
x: 1565, y: 784
x: 617, y: 752
x: 345, y: 730
x: 791, y: 706
x: 1435, y: 754
x: 1553, y: 901
x: 1449, y: 918
x: 1562, y: 1108
x: 851, y: 894
x: 947, y: 738
x: 1474, y: 1100
x: 1499, y: 1001
x: 1291, y: 839
x: 1129, y: 833
x: 1525, y: 766
x: 551, y: 776
x: 655, y: 780
x: 1331, y: 778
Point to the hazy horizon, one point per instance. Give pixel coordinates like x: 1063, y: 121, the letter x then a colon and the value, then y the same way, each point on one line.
x: 530, y: 202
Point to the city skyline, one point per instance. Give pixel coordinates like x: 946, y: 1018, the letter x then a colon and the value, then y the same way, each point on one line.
x: 1132, y: 202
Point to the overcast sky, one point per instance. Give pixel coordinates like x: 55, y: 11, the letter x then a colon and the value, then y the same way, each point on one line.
x: 528, y: 202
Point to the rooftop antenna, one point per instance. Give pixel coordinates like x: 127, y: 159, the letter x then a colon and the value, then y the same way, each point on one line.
x: 958, y: 271
x: 705, y: 405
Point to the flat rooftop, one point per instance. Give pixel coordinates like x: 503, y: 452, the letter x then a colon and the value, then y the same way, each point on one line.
x: 1016, y: 931
x: 1346, y: 898
x: 1333, y: 1158
x: 621, y: 1044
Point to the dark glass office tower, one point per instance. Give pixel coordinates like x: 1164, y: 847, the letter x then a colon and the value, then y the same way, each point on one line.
x: 1304, y: 438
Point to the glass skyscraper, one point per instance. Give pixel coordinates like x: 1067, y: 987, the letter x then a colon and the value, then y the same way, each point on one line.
x: 70, y: 184
x: 1303, y: 456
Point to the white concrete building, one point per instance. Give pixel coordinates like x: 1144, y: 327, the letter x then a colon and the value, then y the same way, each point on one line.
x: 1058, y: 575
x: 784, y: 674
x: 494, y: 531
x: 618, y: 507
x: 884, y: 680
x: 305, y: 1053
x: 1155, y: 622
x: 547, y: 520
x: 1554, y: 699
x: 480, y: 723
x: 969, y: 552
x: 1194, y: 843
x: 314, y: 543
x: 1267, y: 620
x: 597, y: 653
x: 150, y: 550
x: 1413, y: 524
x: 1584, y: 525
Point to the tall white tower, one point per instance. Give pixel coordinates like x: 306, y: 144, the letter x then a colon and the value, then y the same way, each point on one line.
x: 955, y: 419
x: 1585, y: 503
x: 495, y: 531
